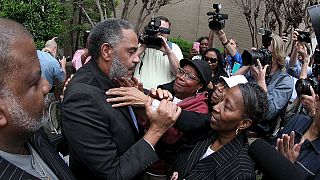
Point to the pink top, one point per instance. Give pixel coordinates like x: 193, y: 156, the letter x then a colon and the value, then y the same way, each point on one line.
x: 76, y: 60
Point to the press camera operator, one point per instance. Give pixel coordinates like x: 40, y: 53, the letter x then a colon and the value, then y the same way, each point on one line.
x: 266, y: 67
x: 300, y: 54
x: 159, y: 57
x: 233, y: 60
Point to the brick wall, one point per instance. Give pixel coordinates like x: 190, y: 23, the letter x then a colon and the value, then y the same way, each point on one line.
x: 190, y: 21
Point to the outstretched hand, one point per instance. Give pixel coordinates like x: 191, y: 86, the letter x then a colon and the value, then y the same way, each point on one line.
x: 287, y: 148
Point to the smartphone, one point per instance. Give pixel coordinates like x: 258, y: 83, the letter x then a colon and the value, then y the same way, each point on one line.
x: 196, y: 46
x: 236, y: 67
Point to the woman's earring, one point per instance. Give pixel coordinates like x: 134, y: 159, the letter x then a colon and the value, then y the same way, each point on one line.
x: 237, y: 131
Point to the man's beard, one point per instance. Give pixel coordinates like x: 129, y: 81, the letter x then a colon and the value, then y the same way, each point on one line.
x: 117, y: 69
x: 21, y: 118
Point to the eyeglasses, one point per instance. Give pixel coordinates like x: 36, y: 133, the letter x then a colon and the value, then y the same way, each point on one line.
x: 212, y: 60
x: 189, y: 76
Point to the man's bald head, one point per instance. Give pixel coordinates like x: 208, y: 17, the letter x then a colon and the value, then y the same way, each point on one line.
x: 10, y: 32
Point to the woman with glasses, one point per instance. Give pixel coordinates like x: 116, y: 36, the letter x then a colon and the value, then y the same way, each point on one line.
x: 189, y: 92
x: 215, y: 59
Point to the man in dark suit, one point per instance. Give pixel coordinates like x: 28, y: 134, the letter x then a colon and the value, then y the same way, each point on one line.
x: 25, y: 152
x: 107, y: 142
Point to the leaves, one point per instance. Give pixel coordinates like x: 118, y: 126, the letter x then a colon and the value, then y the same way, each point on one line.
x: 43, y: 18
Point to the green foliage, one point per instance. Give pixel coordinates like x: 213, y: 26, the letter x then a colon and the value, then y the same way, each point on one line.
x: 184, y: 45
x: 43, y: 18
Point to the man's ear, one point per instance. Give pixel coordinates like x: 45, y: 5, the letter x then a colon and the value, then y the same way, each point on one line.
x: 106, y: 52
x: 4, y: 114
x: 244, y: 124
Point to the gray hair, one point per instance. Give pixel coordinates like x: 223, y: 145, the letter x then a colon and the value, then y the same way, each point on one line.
x: 108, y: 31
x: 10, y: 32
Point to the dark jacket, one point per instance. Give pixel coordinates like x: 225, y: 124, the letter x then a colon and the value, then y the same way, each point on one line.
x: 40, y: 143
x: 104, y: 142
x: 230, y: 162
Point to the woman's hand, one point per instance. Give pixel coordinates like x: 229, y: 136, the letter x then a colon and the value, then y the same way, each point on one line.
x: 286, y: 147
x: 126, y: 96
x: 259, y: 74
x: 160, y: 94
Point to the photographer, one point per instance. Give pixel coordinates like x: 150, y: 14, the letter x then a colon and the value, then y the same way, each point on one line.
x: 158, y: 66
x: 272, y: 77
x: 299, y: 56
x: 232, y: 56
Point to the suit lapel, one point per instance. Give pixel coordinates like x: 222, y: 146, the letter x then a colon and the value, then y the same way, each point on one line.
x: 50, y: 156
x: 222, y: 156
x: 10, y: 171
x: 197, y: 152
x: 105, y: 84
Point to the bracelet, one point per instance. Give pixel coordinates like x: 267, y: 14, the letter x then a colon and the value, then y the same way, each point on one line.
x: 224, y: 44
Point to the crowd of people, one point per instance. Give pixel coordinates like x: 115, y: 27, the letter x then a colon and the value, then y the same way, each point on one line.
x: 132, y: 111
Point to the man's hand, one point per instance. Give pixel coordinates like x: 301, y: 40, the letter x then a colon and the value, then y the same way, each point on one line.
x: 259, y: 74
x: 222, y: 36
x: 63, y: 62
x: 286, y: 147
x: 165, y: 47
x: 160, y: 119
x: 309, y: 102
x: 126, y: 96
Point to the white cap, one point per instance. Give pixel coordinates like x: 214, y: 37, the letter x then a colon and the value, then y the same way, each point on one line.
x: 234, y: 80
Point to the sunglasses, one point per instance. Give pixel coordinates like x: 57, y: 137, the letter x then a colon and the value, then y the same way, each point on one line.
x: 212, y: 60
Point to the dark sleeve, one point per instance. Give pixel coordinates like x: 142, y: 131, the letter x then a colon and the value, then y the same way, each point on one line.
x: 91, y: 126
x: 193, y: 122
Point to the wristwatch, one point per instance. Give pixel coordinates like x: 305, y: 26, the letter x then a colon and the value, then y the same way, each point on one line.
x: 224, y: 44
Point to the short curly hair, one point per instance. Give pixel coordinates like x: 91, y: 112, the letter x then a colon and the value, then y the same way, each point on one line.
x: 255, y: 101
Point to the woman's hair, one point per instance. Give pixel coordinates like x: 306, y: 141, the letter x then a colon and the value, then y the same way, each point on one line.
x: 255, y: 101
x: 202, y: 38
x: 278, y: 52
x: 219, y: 57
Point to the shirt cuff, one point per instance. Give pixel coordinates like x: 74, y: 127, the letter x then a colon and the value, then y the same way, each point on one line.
x: 149, y: 144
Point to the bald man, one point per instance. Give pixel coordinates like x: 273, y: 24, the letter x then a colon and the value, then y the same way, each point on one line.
x: 24, y: 149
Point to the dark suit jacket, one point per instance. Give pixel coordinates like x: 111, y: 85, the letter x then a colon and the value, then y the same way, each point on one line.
x: 39, y: 142
x: 230, y: 162
x: 103, y: 141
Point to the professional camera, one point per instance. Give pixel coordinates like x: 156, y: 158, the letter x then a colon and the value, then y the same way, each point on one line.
x: 217, y: 20
x: 304, y: 36
x: 250, y: 58
x: 303, y: 86
x: 150, y: 35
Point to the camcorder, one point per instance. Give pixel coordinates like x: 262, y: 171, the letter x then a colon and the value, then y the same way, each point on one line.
x: 150, y: 35
x: 216, y: 20
x: 303, y: 85
x: 304, y: 36
x: 263, y: 54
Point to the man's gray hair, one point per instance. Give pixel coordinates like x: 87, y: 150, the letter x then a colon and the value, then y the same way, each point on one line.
x: 10, y: 32
x: 108, y: 31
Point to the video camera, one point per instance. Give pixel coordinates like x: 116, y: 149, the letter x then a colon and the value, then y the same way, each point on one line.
x: 217, y: 20
x: 263, y: 54
x: 150, y: 35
